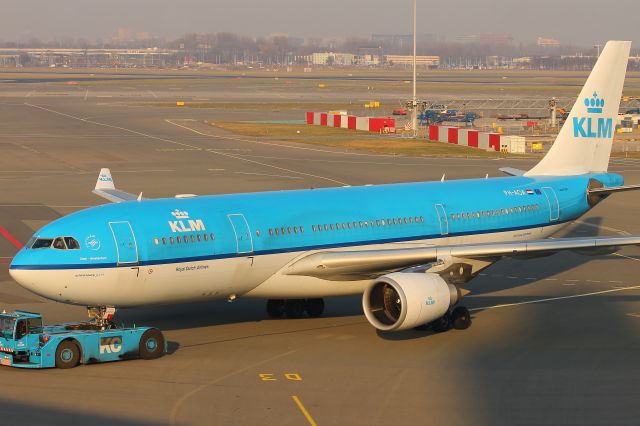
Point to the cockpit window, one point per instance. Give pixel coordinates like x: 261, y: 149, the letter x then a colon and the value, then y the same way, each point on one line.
x: 59, y: 244
x: 72, y: 243
x: 42, y: 243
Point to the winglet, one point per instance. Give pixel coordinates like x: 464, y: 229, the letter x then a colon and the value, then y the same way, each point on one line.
x: 106, y: 189
x: 105, y: 181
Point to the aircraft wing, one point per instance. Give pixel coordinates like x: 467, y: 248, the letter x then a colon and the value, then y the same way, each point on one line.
x: 363, y: 264
x: 511, y: 171
x: 612, y: 189
x: 105, y: 188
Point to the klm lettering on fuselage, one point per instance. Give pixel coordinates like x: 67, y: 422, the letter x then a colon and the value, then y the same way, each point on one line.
x: 587, y: 127
x: 184, y: 224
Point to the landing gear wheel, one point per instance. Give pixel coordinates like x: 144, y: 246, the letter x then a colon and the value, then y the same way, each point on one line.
x: 275, y: 308
x: 151, y: 344
x: 441, y: 324
x: 461, y: 318
x: 294, y: 308
x: 67, y: 354
x: 315, y: 307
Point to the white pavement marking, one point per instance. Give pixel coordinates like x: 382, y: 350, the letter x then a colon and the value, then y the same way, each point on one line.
x: 553, y: 299
x: 153, y: 94
x: 266, y: 174
x: 187, y: 145
x: 626, y: 257
x: 619, y: 231
x: 86, y: 94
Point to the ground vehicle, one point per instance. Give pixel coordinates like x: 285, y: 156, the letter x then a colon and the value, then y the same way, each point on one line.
x: 400, y: 111
x: 26, y: 343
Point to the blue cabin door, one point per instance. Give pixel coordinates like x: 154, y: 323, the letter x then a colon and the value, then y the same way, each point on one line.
x: 126, y: 246
x: 244, y: 241
x: 442, y: 219
x: 552, y: 200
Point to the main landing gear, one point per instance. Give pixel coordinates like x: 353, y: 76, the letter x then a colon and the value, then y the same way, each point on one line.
x: 458, y: 318
x: 295, y: 308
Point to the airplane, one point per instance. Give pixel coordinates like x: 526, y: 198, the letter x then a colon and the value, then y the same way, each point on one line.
x: 407, y: 248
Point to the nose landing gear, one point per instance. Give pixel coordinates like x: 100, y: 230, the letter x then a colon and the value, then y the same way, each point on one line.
x: 102, y: 316
x: 294, y: 308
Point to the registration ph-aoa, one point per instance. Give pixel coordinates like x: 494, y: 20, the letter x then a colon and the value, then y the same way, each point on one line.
x: 409, y: 248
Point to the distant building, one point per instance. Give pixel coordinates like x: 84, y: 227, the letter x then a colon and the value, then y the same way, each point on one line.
x: 421, y: 61
x: 332, y: 58
x: 547, y: 42
x: 370, y: 55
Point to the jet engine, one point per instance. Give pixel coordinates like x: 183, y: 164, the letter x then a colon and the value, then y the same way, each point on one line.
x: 399, y: 301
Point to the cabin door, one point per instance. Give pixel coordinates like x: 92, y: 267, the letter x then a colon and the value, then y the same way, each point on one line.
x: 442, y: 218
x: 552, y: 200
x: 126, y: 246
x: 244, y: 241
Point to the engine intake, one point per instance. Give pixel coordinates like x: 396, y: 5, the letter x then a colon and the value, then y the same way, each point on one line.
x: 400, y: 301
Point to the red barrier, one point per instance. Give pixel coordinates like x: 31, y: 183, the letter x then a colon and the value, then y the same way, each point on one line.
x: 309, y: 117
x: 453, y: 135
x: 323, y: 119
x: 472, y: 138
x: 336, y: 120
x: 494, y: 141
x: 351, y: 122
x: 433, y: 133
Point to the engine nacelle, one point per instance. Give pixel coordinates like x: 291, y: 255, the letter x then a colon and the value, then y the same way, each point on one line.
x: 400, y: 301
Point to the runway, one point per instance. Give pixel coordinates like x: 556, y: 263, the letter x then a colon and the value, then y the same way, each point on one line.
x: 554, y: 340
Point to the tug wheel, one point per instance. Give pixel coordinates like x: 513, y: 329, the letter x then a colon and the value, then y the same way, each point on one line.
x: 67, y: 354
x: 151, y: 344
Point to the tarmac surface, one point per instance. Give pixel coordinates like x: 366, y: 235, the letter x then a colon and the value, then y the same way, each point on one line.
x: 553, y: 341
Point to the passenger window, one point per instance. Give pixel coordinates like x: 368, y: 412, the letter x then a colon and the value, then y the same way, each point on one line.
x: 171, y: 240
x: 206, y: 237
x: 199, y: 238
x: 277, y: 231
x: 164, y: 240
x: 156, y: 241
x: 72, y: 243
x: 59, y: 244
x: 288, y: 230
x: 257, y: 233
x: 193, y: 238
x: 295, y: 229
x: 377, y: 222
x: 326, y: 227
x: 331, y: 226
x: 313, y: 228
x: 213, y: 236
x: 302, y: 229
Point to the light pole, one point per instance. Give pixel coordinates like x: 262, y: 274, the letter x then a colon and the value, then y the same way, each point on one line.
x: 414, y: 104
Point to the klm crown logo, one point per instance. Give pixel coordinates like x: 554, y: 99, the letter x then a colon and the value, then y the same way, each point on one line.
x: 180, y: 214
x: 595, y: 104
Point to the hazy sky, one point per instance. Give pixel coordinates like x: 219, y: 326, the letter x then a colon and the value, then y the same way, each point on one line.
x: 573, y: 22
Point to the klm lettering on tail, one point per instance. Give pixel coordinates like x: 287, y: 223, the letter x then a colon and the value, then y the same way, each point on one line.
x: 586, y: 127
x: 186, y: 224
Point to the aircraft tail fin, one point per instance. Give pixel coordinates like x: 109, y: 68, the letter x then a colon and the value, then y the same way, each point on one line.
x: 584, y: 142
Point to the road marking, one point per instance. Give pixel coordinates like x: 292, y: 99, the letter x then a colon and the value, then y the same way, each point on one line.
x: 552, y: 299
x: 265, y: 174
x: 153, y: 94
x: 304, y: 411
x: 185, y: 145
x: 626, y: 257
x: 86, y: 94
x: 174, y: 410
x: 619, y: 231
x: 13, y: 240
x: 551, y: 279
